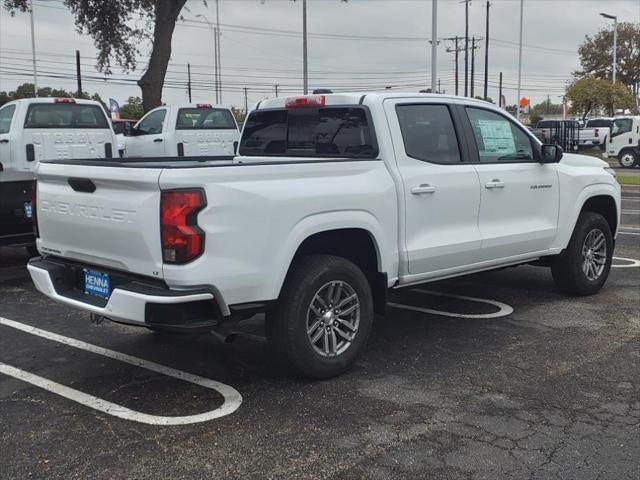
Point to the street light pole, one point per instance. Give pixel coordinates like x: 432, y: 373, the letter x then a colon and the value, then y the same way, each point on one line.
x: 434, y: 44
x: 305, y: 71
x: 215, y: 54
x: 520, y: 58
x: 615, y: 41
x: 218, y: 35
x: 33, y: 52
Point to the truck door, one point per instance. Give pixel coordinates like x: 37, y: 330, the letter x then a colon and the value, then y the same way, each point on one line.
x: 148, y: 136
x: 623, y: 134
x: 441, y: 190
x: 519, y: 195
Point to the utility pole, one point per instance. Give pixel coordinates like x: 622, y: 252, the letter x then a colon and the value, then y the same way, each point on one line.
x: 305, y: 65
x: 189, y: 80
x: 500, y: 92
x: 456, y: 51
x: 520, y: 58
x: 466, y: 47
x: 33, y: 52
x: 473, y: 65
x: 486, y: 55
x: 434, y: 43
x: 218, y: 51
x: 78, y: 76
x: 246, y: 102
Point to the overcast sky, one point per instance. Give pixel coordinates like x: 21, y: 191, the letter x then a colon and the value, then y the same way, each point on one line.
x: 362, y: 44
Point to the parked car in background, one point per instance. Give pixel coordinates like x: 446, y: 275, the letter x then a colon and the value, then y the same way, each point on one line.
x: 122, y: 127
x: 595, y: 133
x: 187, y: 130
x: 39, y: 129
x: 624, y: 142
x: 333, y: 200
x: 560, y: 132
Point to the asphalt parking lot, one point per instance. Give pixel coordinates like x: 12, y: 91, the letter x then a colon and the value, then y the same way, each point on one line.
x: 500, y: 377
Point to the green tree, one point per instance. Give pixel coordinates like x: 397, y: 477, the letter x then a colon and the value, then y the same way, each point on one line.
x: 596, y: 56
x: 118, y: 30
x: 132, y: 109
x: 596, y: 96
x: 539, y: 111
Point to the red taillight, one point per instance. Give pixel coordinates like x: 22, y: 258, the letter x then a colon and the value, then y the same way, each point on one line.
x: 597, y: 133
x: 310, y: 101
x: 64, y: 100
x: 34, y: 210
x: 203, y: 105
x: 182, y: 240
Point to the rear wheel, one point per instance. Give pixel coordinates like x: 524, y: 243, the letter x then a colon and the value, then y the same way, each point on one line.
x: 628, y: 159
x: 583, y: 267
x: 323, y: 318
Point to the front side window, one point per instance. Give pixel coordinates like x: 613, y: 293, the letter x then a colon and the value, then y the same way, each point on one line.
x: 65, y: 115
x: 204, y: 119
x: 428, y: 133
x: 621, y: 125
x: 309, y: 132
x: 152, y: 123
x: 6, y: 114
x: 498, y: 138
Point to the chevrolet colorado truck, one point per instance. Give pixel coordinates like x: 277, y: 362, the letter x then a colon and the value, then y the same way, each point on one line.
x: 332, y: 201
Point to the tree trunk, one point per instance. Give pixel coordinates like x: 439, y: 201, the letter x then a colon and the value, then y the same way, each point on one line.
x: 167, y: 12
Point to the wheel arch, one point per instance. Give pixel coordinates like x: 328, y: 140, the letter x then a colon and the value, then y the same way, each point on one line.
x: 358, y: 238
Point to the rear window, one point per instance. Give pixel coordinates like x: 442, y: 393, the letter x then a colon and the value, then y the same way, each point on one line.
x: 309, y: 132
x: 598, y: 123
x: 65, y: 115
x: 204, y: 119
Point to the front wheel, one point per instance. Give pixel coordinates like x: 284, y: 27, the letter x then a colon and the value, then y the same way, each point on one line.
x: 583, y: 267
x: 323, y: 318
x: 628, y: 159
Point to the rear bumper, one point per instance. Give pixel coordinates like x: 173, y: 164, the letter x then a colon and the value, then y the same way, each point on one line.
x: 133, y: 300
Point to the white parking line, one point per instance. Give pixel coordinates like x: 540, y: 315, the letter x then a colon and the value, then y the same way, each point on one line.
x: 628, y: 233
x: 630, y: 211
x: 503, y: 311
x: 634, y: 262
x: 232, y: 398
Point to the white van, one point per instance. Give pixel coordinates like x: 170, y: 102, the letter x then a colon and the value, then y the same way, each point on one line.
x: 38, y: 129
x: 186, y: 130
x: 624, y: 143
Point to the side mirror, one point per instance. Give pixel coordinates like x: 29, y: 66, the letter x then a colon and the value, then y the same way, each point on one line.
x: 127, y: 129
x: 550, y: 153
x: 1, y: 167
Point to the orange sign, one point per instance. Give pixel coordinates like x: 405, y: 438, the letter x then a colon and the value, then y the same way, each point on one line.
x: 524, y: 102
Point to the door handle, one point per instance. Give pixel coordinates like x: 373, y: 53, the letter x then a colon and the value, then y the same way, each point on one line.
x: 424, y: 188
x: 4, y: 140
x: 495, y: 183
x: 157, y: 140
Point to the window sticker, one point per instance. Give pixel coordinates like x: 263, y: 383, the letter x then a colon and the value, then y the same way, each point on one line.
x: 496, y: 137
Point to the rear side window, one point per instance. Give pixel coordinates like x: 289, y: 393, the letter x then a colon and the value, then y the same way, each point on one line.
x: 309, y: 132
x: 204, y: 119
x: 152, y: 124
x: 428, y: 133
x: 65, y: 115
x: 6, y: 114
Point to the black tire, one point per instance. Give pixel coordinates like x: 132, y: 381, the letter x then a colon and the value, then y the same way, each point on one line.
x: 628, y: 158
x: 287, y: 325
x: 567, y: 268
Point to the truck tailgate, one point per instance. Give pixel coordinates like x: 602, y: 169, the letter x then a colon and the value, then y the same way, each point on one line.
x: 108, y: 216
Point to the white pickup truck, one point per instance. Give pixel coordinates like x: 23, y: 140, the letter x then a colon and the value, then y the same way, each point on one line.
x: 332, y: 201
x: 186, y: 130
x: 624, y: 143
x: 38, y: 129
